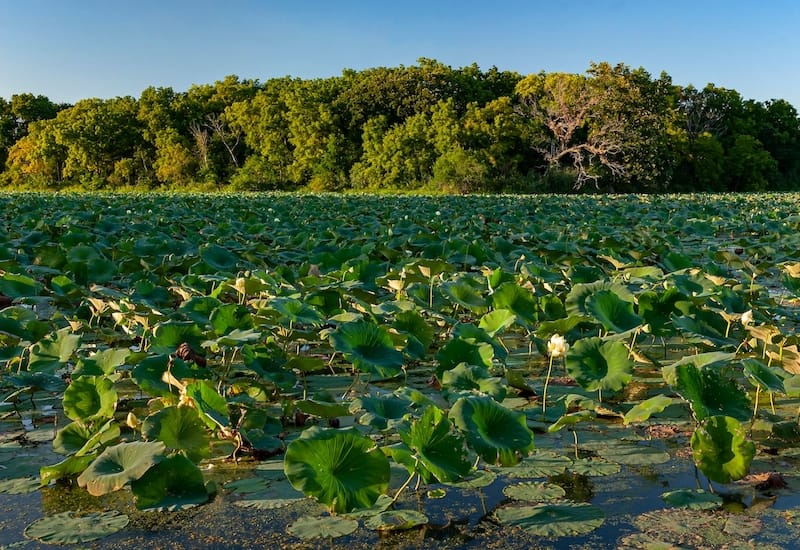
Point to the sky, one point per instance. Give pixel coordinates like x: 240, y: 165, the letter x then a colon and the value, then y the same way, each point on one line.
x: 69, y: 50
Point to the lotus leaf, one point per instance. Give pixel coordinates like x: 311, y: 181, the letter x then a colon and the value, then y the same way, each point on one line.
x: 117, y: 466
x: 52, y: 353
x: 534, y: 491
x: 213, y: 408
x: 497, y: 321
x: 459, y: 350
x: 173, y: 483
x: 420, y: 334
x: 439, y: 451
x: 341, y: 468
x: 599, y: 365
x: 497, y: 434
x: 520, y: 301
x: 179, y: 428
x: 380, y: 412
x: 169, y: 335
x: 693, y: 499
x: 79, y: 439
x: 90, y: 398
x: 614, y: 313
x: 721, y: 449
x: 708, y: 392
x: 369, y: 348
x: 465, y: 377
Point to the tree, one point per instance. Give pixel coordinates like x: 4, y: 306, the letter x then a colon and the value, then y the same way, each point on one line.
x: 565, y: 105
x: 749, y: 167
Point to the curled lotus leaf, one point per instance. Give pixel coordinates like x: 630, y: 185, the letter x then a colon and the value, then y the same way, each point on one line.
x: 721, y: 449
x: 119, y: 465
x: 496, y: 433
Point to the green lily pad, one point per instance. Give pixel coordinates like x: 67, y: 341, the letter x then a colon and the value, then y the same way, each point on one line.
x: 518, y: 300
x: 380, y: 412
x: 396, y: 520
x: 591, y: 467
x: 534, y: 491
x: 693, y: 499
x: 642, y: 411
x: 74, y: 527
x: 248, y: 485
x: 497, y: 321
x: 459, y: 350
x: 632, y: 454
x: 475, y: 480
x: 614, y: 313
x: 19, y: 486
x: 541, y: 464
x: 465, y: 377
x: 708, y: 392
x: 52, y: 353
x: 325, y: 527
x: 556, y: 519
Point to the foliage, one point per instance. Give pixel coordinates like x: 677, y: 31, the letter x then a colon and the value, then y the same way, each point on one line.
x: 167, y: 333
x: 423, y: 128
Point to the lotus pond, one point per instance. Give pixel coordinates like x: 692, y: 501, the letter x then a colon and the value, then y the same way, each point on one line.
x: 240, y: 371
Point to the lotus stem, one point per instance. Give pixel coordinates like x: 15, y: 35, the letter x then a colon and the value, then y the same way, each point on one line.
x: 406, y: 483
x: 755, y: 407
x: 546, y: 382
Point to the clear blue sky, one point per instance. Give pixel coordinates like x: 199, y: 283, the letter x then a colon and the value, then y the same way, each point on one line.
x: 74, y: 49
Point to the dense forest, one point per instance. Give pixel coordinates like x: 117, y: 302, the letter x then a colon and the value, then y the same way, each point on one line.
x: 422, y: 128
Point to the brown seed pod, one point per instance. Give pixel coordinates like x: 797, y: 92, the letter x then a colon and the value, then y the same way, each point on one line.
x: 186, y: 353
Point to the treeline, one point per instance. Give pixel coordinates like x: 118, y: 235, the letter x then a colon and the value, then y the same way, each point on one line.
x: 427, y: 127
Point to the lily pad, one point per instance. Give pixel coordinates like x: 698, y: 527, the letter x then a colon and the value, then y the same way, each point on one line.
x: 693, y: 499
x: 541, y: 464
x: 439, y: 451
x: 556, y: 519
x: 325, y: 527
x: 396, y: 520
x: 73, y: 527
x: 19, y: 486
x: 534, y: 491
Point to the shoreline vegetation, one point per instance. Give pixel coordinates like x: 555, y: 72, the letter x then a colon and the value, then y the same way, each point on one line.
x: 426, y: 128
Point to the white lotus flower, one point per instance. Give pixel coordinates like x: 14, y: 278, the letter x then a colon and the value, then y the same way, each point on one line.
x: 747, y: 317
x: 557, y: 346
